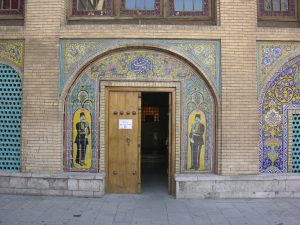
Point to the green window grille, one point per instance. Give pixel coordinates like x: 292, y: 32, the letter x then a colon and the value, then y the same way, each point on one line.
x: 296, y: 144
x: 10, y: 118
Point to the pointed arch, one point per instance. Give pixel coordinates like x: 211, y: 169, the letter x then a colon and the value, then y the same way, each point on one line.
x: 154, y: 47
x: 280, y: 91
x: 116, y: 65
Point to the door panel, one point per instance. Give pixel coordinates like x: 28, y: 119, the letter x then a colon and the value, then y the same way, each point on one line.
x: 123, y: 142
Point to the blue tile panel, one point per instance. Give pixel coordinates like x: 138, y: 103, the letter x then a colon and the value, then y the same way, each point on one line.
x: 296, y: 143
x: 281, y: 94
x: 10, y: 118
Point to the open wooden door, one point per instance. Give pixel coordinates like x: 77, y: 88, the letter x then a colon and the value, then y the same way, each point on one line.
x: 123, y: 160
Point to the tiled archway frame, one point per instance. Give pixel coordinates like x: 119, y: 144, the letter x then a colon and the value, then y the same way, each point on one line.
x: 132, y: 77
x: 274, y: 106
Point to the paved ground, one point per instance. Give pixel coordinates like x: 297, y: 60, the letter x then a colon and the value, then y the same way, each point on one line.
x: 143, y: 209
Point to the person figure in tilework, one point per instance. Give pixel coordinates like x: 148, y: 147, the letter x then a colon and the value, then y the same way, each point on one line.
x: 196, y: 141
x: 83, y: 130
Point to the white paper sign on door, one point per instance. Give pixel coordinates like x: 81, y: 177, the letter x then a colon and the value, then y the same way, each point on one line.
x: 125, y: 124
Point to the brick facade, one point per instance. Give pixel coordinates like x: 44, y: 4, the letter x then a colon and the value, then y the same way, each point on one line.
x: 46, y: 23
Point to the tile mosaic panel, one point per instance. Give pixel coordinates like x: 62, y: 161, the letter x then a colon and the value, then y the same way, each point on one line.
x: 12, y: 51
x: 282, y: 93
x: 145, y: 65
x: 81, y: 100
x: 75, y: 54
x: 269, y: 56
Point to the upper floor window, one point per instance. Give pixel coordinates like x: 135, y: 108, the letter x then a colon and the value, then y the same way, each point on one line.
x: 140, y: 7
x: 189, y: 7
x: 11, y: 7
x: 145, y: 8
x: 277, y: 8
x: 92, y: 7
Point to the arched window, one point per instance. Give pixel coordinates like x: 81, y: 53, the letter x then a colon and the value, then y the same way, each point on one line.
x: 10, y: 118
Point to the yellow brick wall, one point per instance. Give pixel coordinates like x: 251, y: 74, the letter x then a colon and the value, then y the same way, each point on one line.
x: 45, y: 24
x: 41, y: 129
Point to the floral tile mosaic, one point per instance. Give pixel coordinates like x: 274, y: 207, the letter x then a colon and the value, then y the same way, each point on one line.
x: 12, y: 52
x: 75, y: 54
x: 278, y: 86
x: 269, y: 56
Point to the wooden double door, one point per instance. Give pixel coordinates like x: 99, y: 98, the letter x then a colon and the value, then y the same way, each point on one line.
x: 123, y: 155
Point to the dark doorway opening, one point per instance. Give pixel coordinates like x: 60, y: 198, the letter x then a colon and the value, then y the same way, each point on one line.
x: 154, y: 142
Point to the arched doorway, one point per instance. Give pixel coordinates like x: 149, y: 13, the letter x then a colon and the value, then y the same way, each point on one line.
x: 194, y: 108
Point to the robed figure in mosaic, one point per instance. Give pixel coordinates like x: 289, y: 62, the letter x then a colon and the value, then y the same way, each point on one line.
x: 196, y: 142
x: 81, y: 140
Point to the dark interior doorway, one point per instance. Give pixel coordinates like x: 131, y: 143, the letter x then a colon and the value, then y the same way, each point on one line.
x: 154, y: 142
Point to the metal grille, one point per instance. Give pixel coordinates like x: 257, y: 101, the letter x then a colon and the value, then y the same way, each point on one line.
x: 10, y: 118
x: 296, y: 143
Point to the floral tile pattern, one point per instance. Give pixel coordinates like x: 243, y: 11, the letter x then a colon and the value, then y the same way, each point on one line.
x: 12, y: 51
x: 75, y: 54
x: 278, y: 92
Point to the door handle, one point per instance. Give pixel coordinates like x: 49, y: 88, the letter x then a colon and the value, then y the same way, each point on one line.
x: 114, y: 172
x: 128, y: 140
x: 133, y: 172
